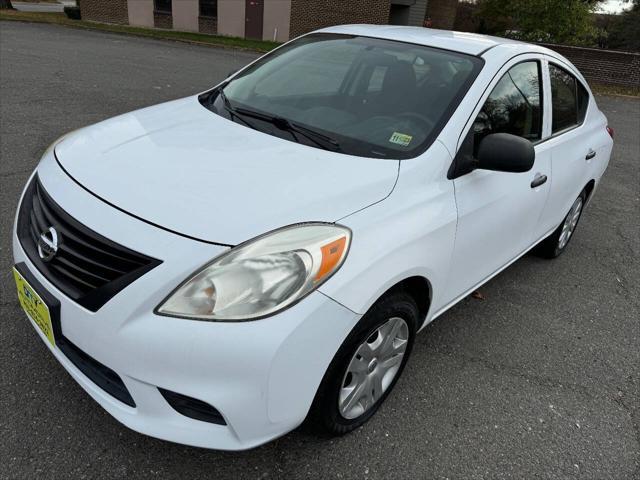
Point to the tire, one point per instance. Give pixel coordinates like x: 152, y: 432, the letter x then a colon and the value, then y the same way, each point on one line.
x: 327, y: 414
x: 556, y: 243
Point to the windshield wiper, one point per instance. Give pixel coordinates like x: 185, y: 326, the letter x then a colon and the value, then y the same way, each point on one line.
x: 284, y: 124
x: 232, y: 111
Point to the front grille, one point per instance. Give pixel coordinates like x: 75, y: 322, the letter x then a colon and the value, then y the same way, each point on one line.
x: 87, y: 267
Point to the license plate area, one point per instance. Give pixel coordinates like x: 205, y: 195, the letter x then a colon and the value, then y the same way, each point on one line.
x: 42, y: 307
x: 99, y: 374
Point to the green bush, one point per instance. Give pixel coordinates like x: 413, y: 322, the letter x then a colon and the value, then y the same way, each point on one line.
x: 568, y: 22
x: 72, y: 12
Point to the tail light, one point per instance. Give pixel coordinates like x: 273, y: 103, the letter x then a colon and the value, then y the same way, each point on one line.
x: 610, y: 131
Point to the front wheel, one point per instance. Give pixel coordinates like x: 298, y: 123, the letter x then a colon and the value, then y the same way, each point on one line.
x: 557, y: 242
x: 367, y: 366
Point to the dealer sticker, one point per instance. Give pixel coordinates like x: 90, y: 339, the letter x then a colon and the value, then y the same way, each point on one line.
x: 401, y: 139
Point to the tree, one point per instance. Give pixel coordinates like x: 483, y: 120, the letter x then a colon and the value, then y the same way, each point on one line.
x: 624, y: 31
x: 6, y: 4
x: 554, y: 21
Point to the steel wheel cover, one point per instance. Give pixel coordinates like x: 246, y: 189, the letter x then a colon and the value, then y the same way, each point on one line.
x: 373, y: 367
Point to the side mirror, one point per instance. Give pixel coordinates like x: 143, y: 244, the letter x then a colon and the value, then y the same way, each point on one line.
x: 503, y: 152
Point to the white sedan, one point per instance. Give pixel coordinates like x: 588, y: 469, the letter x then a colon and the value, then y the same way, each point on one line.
x: 217, y: 269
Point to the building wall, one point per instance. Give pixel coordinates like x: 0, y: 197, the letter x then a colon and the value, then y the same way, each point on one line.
x: 185, y: 15
x: 276, y: 16
x: 208, y: 25
x: 114, y: 11
x: 284, y: 18
x: 140, y: 13
x: 163, y: 20
x: 231, y: 18
x: 417, y: 12
x: 308, y: 15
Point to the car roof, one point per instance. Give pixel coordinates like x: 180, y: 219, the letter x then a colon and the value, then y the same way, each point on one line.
x: 464, y: 42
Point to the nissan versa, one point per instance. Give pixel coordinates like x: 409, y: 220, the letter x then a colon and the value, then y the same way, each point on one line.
x: 217, y: 269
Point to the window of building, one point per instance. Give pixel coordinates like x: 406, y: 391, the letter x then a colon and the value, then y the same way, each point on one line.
x: 514, y: 105
x: 569, y: 99
x: 208, y: 8
x: 162, y: 6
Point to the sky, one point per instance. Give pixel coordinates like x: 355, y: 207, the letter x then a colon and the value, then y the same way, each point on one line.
x: 607, y: 6
x: 613, y: 6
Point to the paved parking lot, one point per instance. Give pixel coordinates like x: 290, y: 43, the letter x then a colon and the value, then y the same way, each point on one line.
x: 539, y: 380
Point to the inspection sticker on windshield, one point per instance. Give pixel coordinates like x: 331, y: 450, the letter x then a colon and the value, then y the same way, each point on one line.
x: 401, y: 139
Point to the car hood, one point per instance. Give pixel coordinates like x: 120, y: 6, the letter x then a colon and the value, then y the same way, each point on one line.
x: 186, y: 169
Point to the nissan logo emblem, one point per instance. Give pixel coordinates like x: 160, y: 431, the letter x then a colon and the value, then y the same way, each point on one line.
x: 48, y: 244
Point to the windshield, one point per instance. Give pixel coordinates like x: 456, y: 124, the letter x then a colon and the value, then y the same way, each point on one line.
x: 356, y: 95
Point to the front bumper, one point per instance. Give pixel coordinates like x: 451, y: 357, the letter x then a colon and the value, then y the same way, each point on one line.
x: 260, y: 375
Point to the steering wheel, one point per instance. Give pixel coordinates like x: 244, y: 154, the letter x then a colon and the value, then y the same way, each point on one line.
x: 421, y: 119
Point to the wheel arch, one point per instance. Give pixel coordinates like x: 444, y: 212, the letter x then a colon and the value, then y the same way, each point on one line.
x: 419, y: 288
x: 588, y: 188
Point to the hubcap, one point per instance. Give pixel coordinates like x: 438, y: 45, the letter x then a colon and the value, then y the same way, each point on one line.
x: 373, y: 367
x: 570, y: 223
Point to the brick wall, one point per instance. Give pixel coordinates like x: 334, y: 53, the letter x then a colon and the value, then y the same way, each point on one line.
x: 307, y: 15
x: 208, y: 25
x: 162, y: 20
x: 604, y: 66
x: 113, y: 11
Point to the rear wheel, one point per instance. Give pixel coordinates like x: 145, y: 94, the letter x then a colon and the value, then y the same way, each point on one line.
x: 367, y: 365
x: 557, y: 242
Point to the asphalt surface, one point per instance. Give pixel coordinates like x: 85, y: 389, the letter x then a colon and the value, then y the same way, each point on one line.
x: 539, y: 380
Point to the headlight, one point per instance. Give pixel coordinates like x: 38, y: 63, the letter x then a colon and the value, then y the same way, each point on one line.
x: 263, y: 276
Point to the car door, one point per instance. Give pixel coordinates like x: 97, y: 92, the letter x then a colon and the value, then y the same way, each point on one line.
x: 574, y: 144
x: 497, y: 211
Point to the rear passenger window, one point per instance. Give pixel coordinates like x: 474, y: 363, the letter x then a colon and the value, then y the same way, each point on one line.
x: 513, y: 106
x: 569, y: 99
x: 583, y: 101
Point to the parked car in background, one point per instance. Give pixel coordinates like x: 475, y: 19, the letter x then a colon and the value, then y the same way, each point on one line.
x: 217, y: 269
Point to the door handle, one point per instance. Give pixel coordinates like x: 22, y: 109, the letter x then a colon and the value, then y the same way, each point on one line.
x: 538, y: 180
x: 590, y: 155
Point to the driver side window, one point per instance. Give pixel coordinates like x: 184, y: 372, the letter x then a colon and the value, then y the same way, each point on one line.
x: 514, y: 105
